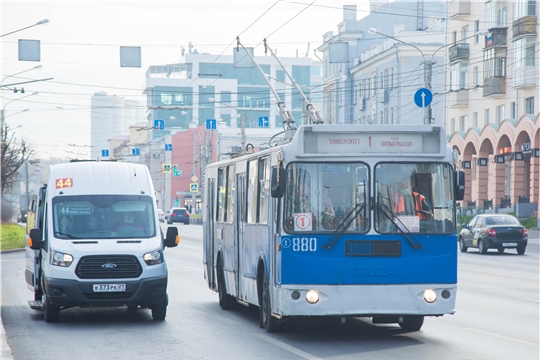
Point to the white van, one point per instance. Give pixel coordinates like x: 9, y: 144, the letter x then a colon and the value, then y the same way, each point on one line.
x: 96, y: 240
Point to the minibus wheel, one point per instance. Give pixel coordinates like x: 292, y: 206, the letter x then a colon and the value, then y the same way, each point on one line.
x: 50, y: 312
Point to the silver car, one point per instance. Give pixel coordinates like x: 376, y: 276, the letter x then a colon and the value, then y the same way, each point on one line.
x: 161, y: 215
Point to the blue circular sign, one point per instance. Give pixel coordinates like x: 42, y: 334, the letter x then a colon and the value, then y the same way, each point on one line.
x: 423, y: 97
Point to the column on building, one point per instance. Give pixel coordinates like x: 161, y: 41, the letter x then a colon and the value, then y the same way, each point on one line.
x: 517, y: 180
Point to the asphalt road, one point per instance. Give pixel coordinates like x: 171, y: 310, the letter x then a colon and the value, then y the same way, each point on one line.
x: 497, y: 318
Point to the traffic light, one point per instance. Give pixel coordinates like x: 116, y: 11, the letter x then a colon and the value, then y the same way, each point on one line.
x: 176, y: 171
x: 177, y: 201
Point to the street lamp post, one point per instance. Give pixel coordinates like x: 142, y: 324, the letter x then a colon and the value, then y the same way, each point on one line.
x: 428, y: 64
x: 2, y: 112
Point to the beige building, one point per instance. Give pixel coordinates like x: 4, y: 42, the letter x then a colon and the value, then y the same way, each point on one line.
x: 493, y: 100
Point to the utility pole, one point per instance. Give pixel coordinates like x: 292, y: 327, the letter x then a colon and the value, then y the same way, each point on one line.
x: 194, y: 169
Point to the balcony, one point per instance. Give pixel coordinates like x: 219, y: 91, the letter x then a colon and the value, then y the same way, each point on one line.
x: 524, y: 26
x: 497, y: 37
x: 459, y: 9
x: 494, y: 86
x: 458, y: 98
x: 458, y: 52
x: 524, y: 77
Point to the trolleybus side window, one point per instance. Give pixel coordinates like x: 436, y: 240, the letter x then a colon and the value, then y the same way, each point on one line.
x: 230, y: 194
x: 252, y: 192
x: 220, y: 206
x: 264, y: 190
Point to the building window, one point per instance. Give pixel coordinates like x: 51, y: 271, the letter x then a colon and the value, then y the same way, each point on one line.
x: 529, y: 105
x: 494, y: 63
x: 391, y: 78
x: 476, y: 30
x: 385, y: 79
x: 454, y: 37
x: 385, y: 116
x: 486, y: 116
x: 524, y: 8
x: 475, y: 76
x: 458, y: 75
x: 373, y: 83
x: 463, y: 122
x: 500, y: 113
x: 475, y: 119
x: 226, y: 97
x: 513, y: 110
x: 452, y: 125
x: 464, y: 34
x: 391, y: 115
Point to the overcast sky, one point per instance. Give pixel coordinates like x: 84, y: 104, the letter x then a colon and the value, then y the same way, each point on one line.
x: 80, y: 51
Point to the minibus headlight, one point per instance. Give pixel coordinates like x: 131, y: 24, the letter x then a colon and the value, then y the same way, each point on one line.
x: 153, y: 257
x: 61, y: 259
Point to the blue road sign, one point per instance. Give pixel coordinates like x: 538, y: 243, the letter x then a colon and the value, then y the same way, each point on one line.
x: 423, y: 97
x: 168, y: 147
x: 159, y: 124
x: 104, y: 153
x: 135, y: 152
x: 211, y: 124
x: 263, y: 121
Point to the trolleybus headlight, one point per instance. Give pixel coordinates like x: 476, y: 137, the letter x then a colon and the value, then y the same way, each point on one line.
x: 153, y: 257
x: 312, y: 296
x: 430, y: 295
x: 60, y: 259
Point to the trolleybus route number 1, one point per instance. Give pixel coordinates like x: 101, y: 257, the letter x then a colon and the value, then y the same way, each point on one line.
x: 302, y: 244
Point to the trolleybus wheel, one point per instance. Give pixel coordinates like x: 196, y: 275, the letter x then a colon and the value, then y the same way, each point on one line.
x: 226, y: 301
x: 268, y: 322
x: 412, y: 322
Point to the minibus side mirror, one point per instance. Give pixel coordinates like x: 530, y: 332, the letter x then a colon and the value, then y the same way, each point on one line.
x: 172, y: 239
x: 35, y: 239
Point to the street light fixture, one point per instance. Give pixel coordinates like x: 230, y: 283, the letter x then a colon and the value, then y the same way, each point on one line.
x: 2, y: 112
x: 428, y: 65
x: 41, y: 22
x: 21, y: 72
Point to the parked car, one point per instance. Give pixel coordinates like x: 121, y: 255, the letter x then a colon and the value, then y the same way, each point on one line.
x: 161, y: 215
x: 178, y: 215
x: 493, y: 231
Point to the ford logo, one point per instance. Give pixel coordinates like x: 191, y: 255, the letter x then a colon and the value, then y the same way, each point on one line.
x: 108, y: 266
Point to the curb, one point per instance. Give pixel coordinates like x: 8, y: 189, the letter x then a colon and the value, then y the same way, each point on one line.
x: 4, y: 346
x: 9, y: 251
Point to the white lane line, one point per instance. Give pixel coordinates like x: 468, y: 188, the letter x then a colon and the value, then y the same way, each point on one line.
x: 533, y: 300
x: 504, y: 337
x: 289, y: 348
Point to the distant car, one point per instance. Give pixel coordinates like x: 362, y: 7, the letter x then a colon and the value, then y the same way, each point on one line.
x: 178, y: 215
x: 493, y: 231
x: 160, y: 215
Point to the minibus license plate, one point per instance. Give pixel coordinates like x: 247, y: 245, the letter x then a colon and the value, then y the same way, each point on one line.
x: 109, y: 287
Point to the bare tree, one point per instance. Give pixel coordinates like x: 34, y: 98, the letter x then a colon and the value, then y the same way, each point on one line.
x: 14, y: 153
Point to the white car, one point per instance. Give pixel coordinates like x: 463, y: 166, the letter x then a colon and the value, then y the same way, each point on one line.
x: 161, y: 215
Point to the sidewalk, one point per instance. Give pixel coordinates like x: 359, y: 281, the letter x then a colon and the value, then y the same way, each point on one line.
x: 4, y: 347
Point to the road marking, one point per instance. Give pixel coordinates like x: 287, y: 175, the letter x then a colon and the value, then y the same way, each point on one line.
x: 504, y: 337
x: 533, y: 300
x: 287, y: 347
x: 471, y: 270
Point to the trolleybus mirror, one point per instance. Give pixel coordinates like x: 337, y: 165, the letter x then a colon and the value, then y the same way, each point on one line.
x: 460, y: 185
x: 278, y: 182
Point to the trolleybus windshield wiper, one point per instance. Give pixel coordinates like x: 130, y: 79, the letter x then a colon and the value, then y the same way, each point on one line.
x: 390, y: 215
x: 344, y: 225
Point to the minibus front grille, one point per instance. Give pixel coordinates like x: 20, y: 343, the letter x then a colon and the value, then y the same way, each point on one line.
x: 108, y: 267
x: 373, y: 248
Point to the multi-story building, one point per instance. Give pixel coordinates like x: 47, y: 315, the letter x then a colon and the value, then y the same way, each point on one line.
x: 238, y: 103
x: 492, y: 101
x: 373, y: 67
x: 111, y: 116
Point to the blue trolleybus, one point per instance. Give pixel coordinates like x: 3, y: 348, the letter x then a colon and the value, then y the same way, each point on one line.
x: 342, y: 220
